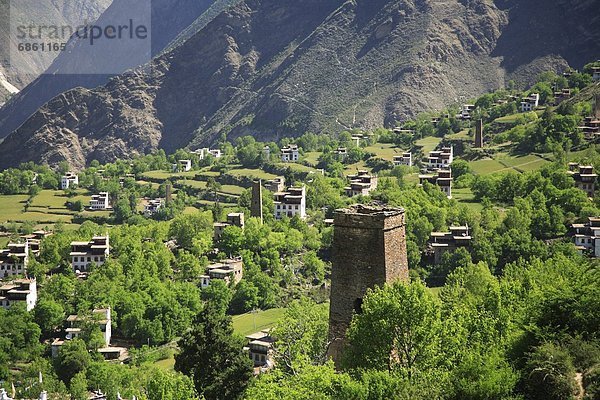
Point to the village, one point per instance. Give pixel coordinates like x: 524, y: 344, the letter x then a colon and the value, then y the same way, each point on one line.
x: 347, y: 193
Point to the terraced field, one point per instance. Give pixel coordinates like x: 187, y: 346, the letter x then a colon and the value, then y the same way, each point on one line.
x: 428, y: 143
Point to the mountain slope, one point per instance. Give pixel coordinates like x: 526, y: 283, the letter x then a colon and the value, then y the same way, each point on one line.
x: 26, y: 66
x: 90, y: 66
x: 271, y: 67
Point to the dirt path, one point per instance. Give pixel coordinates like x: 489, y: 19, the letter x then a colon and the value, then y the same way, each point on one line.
x: 580, y: 389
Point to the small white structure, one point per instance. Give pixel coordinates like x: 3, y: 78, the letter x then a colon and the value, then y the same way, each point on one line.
x: 68, y: 180
x: 230, y: 271
x: 185, y: 165
x: 290, y: 203
x: 404, y: 159
x: 100, y: 201
x: 290, y: 153
x: 266, y: 153
x: 14, y: 259
x: 465, y: 112
x: 587, y: 236
x: 530, y: 102
x: 341, y: 153
x: 205, y: 151
x: 99, y: 316
x: 153, y: 206
x: 95, y: 251
x: 440, y: 159
x: 19, y: 291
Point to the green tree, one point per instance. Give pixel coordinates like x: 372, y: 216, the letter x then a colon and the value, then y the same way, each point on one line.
x: 213, y: 356
x: 73, y: 357
x: 398, y: 330
x: 49, y: 314
x: 550, y: 374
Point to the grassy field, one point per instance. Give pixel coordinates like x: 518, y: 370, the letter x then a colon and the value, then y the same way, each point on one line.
x: 462, y: 135
x: 252, y: 173
x: 11, y: 207
x: 384, y: 150
x: 232, y: 189
x: 193, y: 184
x: 486, y: 166
x: 465, y: 196
x: 163, y: 175
x: 251, y: 322
x: 312, y: 157
x: 428, y: 144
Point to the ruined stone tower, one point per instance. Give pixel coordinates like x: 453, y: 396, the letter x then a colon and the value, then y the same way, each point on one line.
x: 369, y: 249
x: 479, y: 134
x: 256, y: 205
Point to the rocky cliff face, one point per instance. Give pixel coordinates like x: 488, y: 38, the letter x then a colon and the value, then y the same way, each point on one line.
x: 281, y: 67
x: 25, y: 67
x: 90, y: 66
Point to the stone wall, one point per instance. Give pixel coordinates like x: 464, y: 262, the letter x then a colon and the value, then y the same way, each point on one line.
x: 369, y: 249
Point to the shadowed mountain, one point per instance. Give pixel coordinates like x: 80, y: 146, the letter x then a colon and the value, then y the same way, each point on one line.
x: 282, y: 67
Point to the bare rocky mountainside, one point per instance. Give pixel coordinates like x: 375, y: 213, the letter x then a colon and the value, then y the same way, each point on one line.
x: 25, y: 67
x: 282, y: 67
x: 90, y: 66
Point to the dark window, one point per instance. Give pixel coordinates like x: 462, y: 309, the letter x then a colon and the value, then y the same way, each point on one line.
x: 358, y: 305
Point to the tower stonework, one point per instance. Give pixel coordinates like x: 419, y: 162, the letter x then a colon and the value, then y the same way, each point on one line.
x: 597, y: 106
x: 479, y: 134
x: 256, y: 209
x: 369, y: 249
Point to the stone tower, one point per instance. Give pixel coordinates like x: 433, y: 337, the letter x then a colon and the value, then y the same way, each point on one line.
x: 168, y: 192
x: 369, y: 249
x: 256, y: 209
x: 479, y: 134
x: 597, y: 106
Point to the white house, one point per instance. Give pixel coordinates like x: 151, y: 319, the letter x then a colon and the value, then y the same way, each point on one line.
x: 95, y: 251
x: 587, y: 236
x: 290, y: 153
x: 440, y: 159
x: 205, y: 151
x: 99, y: 316
x: 442, y: 178
x: 20, y: 291
x: 404, y: 159
x: 530, y: 102
x: 100, y: 201
x: 260, y: 349
x: 290, y: 203
x: 14, y: 259
x: 185, y: 165
x: 68, y: 180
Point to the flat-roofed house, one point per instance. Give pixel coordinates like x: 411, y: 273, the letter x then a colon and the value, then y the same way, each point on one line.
x: 83, y: 254
x: 14, y: 259
x: 361, y: 183
x: 276, y: 185
x: 100, y: 201
x: 75, y: 323
x: 442, y: 242
x: 233, y: 219
x: 185, y: 165
x: 596, y: 74
x: 586, y: 236
x: 290, y: 203
x: 590, y: 128
x: 290, y: 153
x: 153, y: 206
x: 584, y: 177
x: 440, y: 159
x: 561, y: 95
x: 341, y: 153
x: 230, y: 270
x: 260, y: 350
x: 19, y: 291
x: 530, y: 102
x: 466, y: 112
x: 69, y: 180
x: 442, y: 178
x: 404, y: 159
